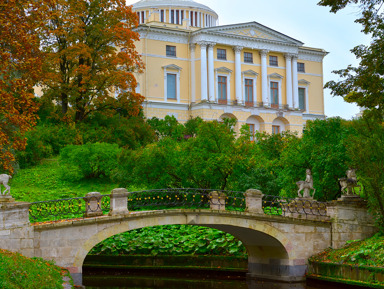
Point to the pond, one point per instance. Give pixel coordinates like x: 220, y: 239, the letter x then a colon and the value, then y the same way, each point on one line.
x: 142, y: 279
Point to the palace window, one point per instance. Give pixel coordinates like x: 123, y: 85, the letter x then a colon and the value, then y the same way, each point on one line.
x: 221, y: 54
x: 222, y: 85
x: 275, y: 129
x: 249, y: 92
x: 248, y: 57
x: 171, y: 86
x: 300, y: 67
x: 192, y: 18
x: 162, y: 16
x: 251, y: 131
x: 173, y: 16
x: 273, y: 61
x: 274, y: 94
x: 171, y: 51
x: 142, y: 17
x: 302, y: 93
x: 177, y: 17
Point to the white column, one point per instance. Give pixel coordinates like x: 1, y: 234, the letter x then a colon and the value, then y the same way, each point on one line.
x: 264, y: 77
x: 193, y: 73
x: 295, y: 83
x: 238, y: 50
x: 180, y: 19
x: 288, y: 69
x: 204, y: 89
x: 211, y: 73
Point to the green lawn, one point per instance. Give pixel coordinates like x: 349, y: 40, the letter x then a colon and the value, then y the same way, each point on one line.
x: 44, y: 182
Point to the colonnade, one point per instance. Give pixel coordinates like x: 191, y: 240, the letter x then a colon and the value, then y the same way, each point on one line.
x: 208, y: 75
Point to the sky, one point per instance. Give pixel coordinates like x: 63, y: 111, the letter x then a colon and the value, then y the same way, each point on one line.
x: 313, y: 25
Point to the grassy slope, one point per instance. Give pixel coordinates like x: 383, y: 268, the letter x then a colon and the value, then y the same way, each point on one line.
x: 369, y: 252
x: 43, y: 182
x: 19, y: 272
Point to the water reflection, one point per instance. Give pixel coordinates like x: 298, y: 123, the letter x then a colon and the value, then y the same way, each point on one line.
x: 185, y: 279
x: 152, y: 282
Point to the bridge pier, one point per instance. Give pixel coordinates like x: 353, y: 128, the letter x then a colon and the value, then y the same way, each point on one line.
x: 350, y: 220
x: 16, y: 234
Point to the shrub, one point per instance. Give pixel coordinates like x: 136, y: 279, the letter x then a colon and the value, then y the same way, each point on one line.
x: 92, y: 160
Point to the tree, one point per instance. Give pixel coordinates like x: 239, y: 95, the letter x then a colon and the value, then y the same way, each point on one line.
x: 363, y: 85
x: 206, y: 161
x: 20, y: 68
x: 323, y: 149
x: 90, y: 57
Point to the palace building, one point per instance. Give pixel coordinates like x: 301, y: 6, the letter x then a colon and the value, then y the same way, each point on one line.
x: 195, y: 67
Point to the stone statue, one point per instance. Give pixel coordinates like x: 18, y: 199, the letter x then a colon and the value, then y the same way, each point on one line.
x: 4, y: 179
x: 349, y: 183
x: 306, y: 185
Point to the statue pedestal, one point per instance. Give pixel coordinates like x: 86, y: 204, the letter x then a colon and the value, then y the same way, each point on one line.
x: 350, y: 198
x: 6, y: 199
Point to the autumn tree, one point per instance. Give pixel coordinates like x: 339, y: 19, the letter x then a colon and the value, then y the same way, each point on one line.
x: 20, y: 68
x: 90, y: 57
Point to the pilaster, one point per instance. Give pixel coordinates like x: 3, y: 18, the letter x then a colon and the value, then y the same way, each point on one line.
x: 204, y: 84
x: 264, y: 77
x: 238, y: 50
x: 211, y: 72
x: 295, y: 82
x: 288, y: 65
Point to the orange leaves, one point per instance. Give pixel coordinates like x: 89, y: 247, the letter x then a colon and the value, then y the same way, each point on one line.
x: 20, y: 67
x: 84, y: 64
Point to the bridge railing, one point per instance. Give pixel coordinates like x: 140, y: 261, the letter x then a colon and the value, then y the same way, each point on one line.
x: 290, y: 207
x: 64, y: 209
x: 186, y: 199
x: 121, y: 202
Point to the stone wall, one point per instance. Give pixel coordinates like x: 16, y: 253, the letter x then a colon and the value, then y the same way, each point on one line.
x: 16, y: 234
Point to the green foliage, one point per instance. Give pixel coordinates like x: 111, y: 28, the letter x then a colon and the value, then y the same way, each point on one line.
x: 170, y: 127
x: 366, y: 149
x: 44, y: 182
x: 91, y: 160
x: 50, y: 136
x: 171, y: 240
x: 364, y: 84
x: 322, y: 149
x: 19, y: 272
x: 205, y: 161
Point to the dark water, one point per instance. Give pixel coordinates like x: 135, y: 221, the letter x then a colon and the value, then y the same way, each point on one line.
x: 196, y: 280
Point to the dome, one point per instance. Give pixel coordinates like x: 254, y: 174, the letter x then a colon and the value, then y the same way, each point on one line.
x: 171, y: 3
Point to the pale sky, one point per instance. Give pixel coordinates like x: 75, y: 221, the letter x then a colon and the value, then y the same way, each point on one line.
x: 303, y: 20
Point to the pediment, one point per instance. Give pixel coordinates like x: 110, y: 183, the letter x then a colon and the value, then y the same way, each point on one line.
x: 304, y: 82
x: 254, y: 30
x: 172, y: 67
x: 275, y: 75
x: 250, y: 72
x: 223, y: 70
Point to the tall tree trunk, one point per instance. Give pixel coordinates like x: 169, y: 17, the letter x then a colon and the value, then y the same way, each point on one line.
x: 64, y: 103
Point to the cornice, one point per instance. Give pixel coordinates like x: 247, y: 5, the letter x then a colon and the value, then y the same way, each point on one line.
x: 255, y: 25
x: 311, y: 55
x: 246, y: 42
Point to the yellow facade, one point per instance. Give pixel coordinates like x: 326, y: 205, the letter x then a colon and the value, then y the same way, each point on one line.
x: 247, y: 71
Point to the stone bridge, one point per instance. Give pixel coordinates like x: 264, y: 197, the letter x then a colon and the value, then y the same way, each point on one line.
x: 278, y: 246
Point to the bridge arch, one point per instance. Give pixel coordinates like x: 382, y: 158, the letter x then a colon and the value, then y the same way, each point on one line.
x: 270, y: 251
